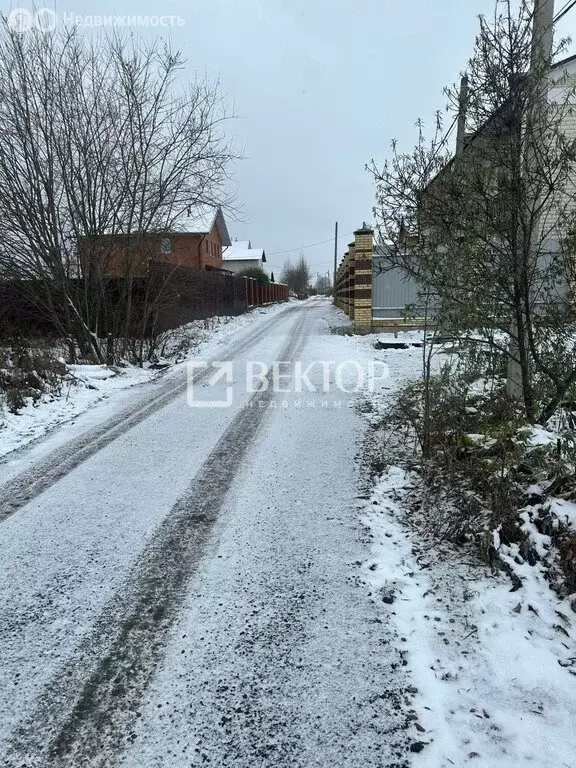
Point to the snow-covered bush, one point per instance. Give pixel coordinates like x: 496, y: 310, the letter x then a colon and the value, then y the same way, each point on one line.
x: 485, y: 470
x: 27, y: 372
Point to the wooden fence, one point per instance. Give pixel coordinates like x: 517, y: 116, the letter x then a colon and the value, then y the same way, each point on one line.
x: 257, y: 295
x: 166, y: 298
x: 183, y: 295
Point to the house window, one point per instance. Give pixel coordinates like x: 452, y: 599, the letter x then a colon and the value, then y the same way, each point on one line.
x: 165, y: 245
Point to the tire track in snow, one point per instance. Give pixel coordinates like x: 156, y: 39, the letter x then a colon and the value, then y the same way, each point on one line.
x: 24, y: 487
x: 86, y: 714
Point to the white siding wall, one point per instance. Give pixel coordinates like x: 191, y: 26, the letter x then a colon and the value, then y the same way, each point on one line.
x: 563, y: 94
x: 239, y: 265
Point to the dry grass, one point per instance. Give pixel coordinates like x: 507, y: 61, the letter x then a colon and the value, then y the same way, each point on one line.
x: 28, y: 371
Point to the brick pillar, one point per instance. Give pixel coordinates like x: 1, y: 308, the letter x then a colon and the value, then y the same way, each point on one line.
x: 342, y: 284
x: 342, y: 272
x: 351, y: 272
x: 363, y: 248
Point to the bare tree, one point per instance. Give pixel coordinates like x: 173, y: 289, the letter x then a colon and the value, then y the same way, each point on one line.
x: 297, y: 277
x: 323, y: 285
x: 102, y: 152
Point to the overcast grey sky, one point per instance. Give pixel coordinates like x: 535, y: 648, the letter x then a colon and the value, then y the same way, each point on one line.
x: 320, y: 87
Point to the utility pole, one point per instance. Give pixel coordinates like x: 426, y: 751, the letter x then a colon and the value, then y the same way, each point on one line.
x: 462, y: 104
x: 335, y: 257
x: 540, y: 60
x: 542, y: 35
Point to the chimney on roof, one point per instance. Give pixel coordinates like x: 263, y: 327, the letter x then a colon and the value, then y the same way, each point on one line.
x: 462, y: 105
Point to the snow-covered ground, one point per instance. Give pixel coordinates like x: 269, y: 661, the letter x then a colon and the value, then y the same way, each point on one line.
x: 493, y: 670
x: 216, y: 587
x: 188, y: 592
x: 97, y: 386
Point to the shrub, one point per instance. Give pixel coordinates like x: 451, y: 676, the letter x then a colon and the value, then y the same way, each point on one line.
x: 257, y: 274
x: 479, y: 469
x: 27, y: 372
x: 467, y: 449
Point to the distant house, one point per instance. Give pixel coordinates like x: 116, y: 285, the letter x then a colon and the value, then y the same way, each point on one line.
x: 240, y: 255
x: 195, y: 241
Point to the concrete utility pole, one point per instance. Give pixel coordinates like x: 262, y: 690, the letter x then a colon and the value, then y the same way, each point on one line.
x: 462, y: 102
x: 335, y: 257
x: 542, y: 33
x: 540, y: 60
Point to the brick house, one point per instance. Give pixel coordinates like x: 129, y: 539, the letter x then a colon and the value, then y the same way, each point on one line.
x: 195, y: 241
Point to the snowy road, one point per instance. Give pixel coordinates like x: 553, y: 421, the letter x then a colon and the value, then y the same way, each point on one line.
x: 181, y: 584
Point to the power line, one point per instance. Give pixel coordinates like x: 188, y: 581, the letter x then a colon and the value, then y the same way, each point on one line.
x: 441, y: 144
x: 312, y: 245
x: 564, y: 10
x: 564, y: 6
x: 315, y: 265
x: 446, y: 136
